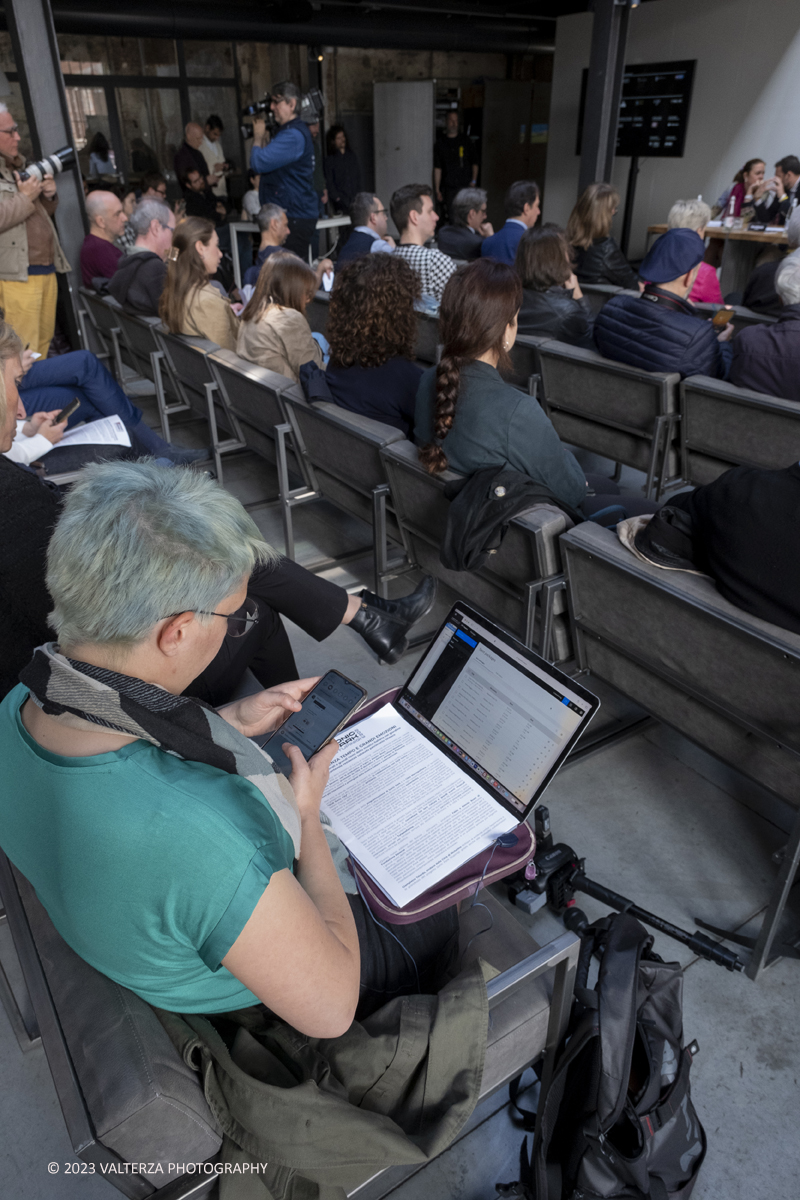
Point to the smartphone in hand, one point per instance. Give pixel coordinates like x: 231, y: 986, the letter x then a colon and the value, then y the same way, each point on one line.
x: 68, y: 410
x: 326, y: 708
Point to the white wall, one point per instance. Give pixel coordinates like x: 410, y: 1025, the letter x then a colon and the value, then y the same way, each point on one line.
x: 745, y: 101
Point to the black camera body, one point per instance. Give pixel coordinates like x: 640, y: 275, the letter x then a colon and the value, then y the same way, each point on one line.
x: 50, y: 164
x: 262, y: 111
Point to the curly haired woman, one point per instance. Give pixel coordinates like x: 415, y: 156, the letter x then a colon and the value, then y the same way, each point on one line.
x: 372, y: 330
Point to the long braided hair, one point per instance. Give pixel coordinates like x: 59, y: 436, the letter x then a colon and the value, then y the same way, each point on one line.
x: 479, y: 302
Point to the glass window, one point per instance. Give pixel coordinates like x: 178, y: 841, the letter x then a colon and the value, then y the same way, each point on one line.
x: 88, y: 114
x: 6, y: 53
x: 152, y: 129
x: 213, y: 60
x: 142, y: 56
x: 84, y: 55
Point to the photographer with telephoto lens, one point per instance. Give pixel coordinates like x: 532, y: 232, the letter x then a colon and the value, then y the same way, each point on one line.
x: 30, y: 252
x: 285, y: 162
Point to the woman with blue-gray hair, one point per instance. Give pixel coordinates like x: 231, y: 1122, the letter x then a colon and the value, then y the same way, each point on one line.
x: 168, y: 851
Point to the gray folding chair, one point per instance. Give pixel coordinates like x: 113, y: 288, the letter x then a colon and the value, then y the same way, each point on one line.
x: 724, y: 426
x: 526, y: 568
x: 187, y: 359
x: 728, y: 681
x: 617, y: 411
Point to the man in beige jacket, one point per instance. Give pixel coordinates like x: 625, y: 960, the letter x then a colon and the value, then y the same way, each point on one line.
x: 30, y: 252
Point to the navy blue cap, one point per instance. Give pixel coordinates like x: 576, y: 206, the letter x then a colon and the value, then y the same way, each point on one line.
x: 676, y: 252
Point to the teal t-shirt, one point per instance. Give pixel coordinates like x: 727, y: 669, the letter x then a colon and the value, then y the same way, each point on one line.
x: 149, y: 866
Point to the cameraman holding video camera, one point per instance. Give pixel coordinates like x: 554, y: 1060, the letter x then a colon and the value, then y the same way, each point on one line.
x: 30, y: 252
x: 285, y: 163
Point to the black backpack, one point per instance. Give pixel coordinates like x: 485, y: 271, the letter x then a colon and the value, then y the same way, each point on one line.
x: 618, y: 1119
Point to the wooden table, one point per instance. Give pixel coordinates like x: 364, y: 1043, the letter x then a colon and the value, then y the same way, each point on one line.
x: 739, y: 253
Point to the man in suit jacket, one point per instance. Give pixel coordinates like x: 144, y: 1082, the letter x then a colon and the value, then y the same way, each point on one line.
x: 469, y: 226
x: 522, y: 209
x: 766, y: 358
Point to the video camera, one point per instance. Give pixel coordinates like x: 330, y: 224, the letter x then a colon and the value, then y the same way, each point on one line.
x: 309, y: 109
x: 51, y: 164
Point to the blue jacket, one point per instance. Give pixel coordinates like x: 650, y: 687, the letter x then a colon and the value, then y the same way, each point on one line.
x: 356, y: 246
x: 503, y: 244
x: 286, y: 167
x: 660, y: 337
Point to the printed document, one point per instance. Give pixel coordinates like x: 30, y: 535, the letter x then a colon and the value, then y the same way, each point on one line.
x: 107, y: 431
x: 404, y: 810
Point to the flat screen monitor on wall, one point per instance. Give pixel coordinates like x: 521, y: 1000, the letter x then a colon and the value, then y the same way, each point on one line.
x: 653, y: 111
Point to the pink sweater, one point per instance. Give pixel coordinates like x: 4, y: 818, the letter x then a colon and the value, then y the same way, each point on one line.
x: 706, y: 286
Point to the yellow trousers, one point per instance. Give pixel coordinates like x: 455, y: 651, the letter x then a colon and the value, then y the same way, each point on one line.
x: 30, y: 309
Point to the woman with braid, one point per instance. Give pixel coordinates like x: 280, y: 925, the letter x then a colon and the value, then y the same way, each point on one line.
x: 468, y: 418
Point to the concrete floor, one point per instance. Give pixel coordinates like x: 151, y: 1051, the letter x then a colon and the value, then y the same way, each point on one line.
x: 658, y: 821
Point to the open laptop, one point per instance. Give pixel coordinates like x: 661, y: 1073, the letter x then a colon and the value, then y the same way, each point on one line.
x: 458, y: 758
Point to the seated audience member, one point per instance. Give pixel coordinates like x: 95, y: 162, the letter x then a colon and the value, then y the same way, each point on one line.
x: 273, y: 329
x: 766, y: 358
x: 464, y: 237
x: 139, y: 278
x: 148, y: 572
x: 199, y: 199
x: 154, y: 186
x: 522, y: 208
x: 744, y: 535
x: 598, y: 258
x: 552, y: 301
x: 251, y: 203
x: 695, y: 214
x: 372, y: 330
x: 189, y: 303
x: 275, y: 229
x: 99, y: 254
x: 369, y: 230
x: 468, y: 418
x: 760, y: 294
x: 129, y: 200
x: 660, y: 330
x: 274, y: 225
x: 415, y: 217
x: 101, y: 156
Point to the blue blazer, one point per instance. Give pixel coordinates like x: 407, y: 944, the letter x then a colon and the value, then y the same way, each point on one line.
x: 503, y: 244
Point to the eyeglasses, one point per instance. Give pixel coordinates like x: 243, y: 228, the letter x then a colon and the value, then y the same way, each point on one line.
x: 162, y: 192
x: 239, y: 622
x: 12, y: 129
x: 376, y: 212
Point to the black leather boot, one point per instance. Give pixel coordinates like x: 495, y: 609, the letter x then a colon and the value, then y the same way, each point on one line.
x: 411, y: 608
x: 383, y: 633
x: 383, y: 624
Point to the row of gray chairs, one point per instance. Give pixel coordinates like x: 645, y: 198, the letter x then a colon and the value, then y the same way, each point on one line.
x: 726, y: 680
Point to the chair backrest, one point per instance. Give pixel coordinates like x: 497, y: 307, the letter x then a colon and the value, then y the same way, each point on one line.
x: 93, y: 336
x: 427, y: 347
x: 743, y: 318
x: 254, y: 396
x: 187, y: 357
x: 140, y: 339
x: 529, y: 552
x: 317, y: 311
x: 667, y: 639
x: 345, y: 450
x: 724, y: 426
x: 118, y: 1076
x: 525, y: 359
x: 597, y: 294
x: 610, y: 408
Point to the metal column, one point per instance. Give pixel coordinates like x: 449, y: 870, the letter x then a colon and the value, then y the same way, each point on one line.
x: 33, y: 38
x: 603, y: 91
